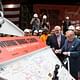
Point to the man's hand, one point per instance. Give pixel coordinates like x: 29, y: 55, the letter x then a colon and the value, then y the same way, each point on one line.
x: 53, y: 49
x: 58, y: 51
x: 66, y: 53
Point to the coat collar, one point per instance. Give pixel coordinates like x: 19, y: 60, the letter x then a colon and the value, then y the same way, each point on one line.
x: 72, y: 45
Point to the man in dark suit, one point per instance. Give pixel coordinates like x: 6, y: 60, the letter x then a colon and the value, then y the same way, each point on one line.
x: 66, y: 24
x: 56, y: 41
x: 35, y: 23
x: 71, y: 49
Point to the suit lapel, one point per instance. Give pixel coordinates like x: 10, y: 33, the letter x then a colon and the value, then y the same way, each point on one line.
x: 66, y: 47
x: 72, y: 45
x: 61, y: 41
x: 74, y: 42
x: 56, y: 41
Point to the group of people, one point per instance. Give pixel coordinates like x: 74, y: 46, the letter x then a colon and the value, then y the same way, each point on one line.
x: 37, y: 24
x: 64, y: 41
x: 66, y: 46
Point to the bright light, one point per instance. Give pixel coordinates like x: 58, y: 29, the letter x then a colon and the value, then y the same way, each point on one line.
x: 10, y: 6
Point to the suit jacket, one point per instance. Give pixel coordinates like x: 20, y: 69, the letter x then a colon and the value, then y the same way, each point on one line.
x: 66, y: 24
x: 52, y: 42
x: 74, y: 57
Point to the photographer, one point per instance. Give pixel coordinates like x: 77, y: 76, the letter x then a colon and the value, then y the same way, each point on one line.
x: 35, y: 23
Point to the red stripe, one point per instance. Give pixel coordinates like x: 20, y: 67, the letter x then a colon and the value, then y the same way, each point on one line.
x: 12, y: 16
x: 11, y: 9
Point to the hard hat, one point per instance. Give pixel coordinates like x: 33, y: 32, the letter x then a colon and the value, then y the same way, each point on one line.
x: 35, y: 31
x: 67, y: 17
x: 78, y: 28
x: 44, y: 16
x: 27, y: 30
x: 71, y: 27
x: 35, y: 15
x: 40, y: 30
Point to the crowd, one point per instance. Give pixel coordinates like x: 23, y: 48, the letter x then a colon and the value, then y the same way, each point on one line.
x: 63, y: 40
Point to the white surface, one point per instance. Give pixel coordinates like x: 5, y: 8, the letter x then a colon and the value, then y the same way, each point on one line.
x: 9, y: 28
x: 36, y: 66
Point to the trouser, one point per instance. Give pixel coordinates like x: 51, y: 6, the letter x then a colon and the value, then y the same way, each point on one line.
x: 35, y: 28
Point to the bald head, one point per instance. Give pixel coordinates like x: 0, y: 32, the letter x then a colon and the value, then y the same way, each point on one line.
x: 70, y: 32
x: 57, y: 30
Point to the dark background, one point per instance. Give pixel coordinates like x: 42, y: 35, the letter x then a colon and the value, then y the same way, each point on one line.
x: 51, y: 1
x: 31, y: 2
x: 27, y: 8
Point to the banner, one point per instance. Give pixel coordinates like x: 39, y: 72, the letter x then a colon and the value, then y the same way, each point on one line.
x: 40, y: 65
x: 12, y: 47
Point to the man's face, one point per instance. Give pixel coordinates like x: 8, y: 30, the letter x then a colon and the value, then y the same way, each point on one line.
x: 70, y: 35
x: 57, y: 31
